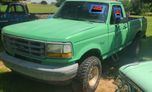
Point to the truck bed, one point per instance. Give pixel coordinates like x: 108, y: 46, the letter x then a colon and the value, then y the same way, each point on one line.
x: 137, y: 24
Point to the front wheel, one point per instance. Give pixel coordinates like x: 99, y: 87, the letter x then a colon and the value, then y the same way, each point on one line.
x: 88, y: 75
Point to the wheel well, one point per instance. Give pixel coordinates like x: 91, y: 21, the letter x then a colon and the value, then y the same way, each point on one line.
x: 92, y: 52
x: 139, y: 34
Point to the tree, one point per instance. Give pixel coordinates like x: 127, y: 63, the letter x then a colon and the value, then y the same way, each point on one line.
x: 59, y: 2
x: 136, y: 6
x: 10, y: 0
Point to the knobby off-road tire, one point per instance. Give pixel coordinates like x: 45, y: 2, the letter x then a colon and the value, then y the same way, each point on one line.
x: 88, y: 75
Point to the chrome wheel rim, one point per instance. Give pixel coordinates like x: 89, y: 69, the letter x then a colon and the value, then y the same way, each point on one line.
x: 93, y: 76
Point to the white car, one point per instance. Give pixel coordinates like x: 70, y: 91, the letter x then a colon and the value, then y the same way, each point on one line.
x: 42, y: 1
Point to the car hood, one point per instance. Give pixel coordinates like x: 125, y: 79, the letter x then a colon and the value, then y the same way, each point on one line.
x: 49, y: 29
x: 140, y: 73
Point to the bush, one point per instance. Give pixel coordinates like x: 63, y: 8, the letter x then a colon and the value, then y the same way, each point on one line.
x: 146, y: 8
x: 59, y: 2
x: 134, y: 6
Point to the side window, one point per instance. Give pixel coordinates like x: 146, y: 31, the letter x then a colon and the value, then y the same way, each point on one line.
x: 11, y: 9
x: 116, y: 14
x: 19, y: 9
x: 3, y: 8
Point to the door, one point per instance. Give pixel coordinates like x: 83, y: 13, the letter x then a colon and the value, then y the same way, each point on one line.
x: 118, y: 29
x: 16, y: 13
x: 21, y: 14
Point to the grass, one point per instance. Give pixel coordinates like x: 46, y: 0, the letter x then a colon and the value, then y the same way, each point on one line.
x: 35, y: 8
x: 38, y: 8
x: 3, y: 8
x: 149, y: 28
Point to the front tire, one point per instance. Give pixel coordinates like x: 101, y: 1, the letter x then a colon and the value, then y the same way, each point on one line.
x: 88, y: 76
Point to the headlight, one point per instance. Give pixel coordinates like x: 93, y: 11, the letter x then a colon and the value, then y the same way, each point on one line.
x: 59, y: 50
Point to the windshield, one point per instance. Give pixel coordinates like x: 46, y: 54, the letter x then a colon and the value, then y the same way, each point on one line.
x: 85, y: 11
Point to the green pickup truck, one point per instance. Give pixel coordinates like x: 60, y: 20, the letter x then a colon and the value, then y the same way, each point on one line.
x: 72, y: 44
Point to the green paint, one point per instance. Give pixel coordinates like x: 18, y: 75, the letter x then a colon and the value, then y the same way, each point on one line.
x: 140, y: 73
x: 84, y: 35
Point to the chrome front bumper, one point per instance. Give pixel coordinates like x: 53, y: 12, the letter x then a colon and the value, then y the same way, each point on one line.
x: 38, y: 71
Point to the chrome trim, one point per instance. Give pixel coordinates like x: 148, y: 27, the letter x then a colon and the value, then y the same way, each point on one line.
x: 126, y: 79
x: 39, y: 41
x: 21, y: 46
x: 3, y: 21
x: 46, y: 42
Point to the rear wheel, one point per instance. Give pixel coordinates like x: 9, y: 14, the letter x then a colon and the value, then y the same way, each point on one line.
x: 88, y: 75
x: 135, y: 47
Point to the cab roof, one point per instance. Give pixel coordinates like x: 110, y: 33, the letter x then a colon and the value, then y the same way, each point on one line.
x: 102, y: 1
x: 140, y: 73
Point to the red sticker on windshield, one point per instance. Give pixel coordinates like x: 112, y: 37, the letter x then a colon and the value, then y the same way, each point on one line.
x: 117, y: 12
x: 97, y: 8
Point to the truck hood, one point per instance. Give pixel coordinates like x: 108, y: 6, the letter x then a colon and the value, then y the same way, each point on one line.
x: 140, y: 73
x: 49, y: 29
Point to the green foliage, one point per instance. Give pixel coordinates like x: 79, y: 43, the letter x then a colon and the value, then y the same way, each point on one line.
x: 138, y: 7
x: 35, y: 8
x: 59, y: 2
x: 146, y: 8
x: 3, y: 8
x: 133, y: 6
x: 127, y: 5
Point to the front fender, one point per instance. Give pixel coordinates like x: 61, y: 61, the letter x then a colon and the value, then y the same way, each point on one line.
x: 81, y: 50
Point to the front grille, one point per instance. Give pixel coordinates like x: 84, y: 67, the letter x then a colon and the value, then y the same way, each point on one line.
x: 24, y: 47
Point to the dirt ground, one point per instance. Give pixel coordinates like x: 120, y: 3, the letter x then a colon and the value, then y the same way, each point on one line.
x: 105, y: 85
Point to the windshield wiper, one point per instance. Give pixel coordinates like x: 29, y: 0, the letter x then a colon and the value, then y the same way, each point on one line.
x: 79, y: 19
